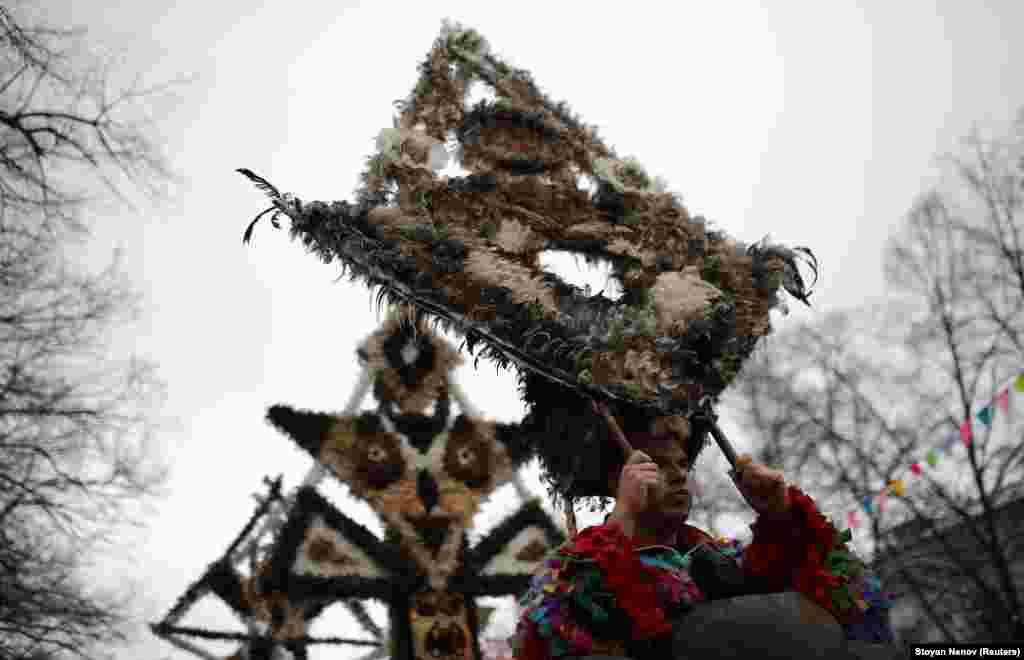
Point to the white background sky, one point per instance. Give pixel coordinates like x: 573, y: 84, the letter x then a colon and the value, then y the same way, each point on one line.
x: 818, y: 125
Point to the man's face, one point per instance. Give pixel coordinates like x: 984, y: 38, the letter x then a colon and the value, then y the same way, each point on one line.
x: 672, y: 496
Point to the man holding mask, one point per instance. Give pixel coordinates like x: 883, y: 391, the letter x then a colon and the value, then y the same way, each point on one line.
x: 614, y: 588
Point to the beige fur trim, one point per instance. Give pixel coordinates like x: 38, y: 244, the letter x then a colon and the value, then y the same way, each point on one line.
x: 642, y: 369
x: 681, y: 297
x: 538, y: 209
x: 517, y: 239
x: 633, y: 249
x: 387, y: 216
x: 399, y: 503
x: 595, y: 230
x: 326, y: 553
x: 411, y: 399
x: 336, y: 449
x: 489, y: 269
x: 418, y: 145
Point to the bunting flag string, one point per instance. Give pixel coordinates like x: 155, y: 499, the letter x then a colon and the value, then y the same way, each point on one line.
x: 964, y: 434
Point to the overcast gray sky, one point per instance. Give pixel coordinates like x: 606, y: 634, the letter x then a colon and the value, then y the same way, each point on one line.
x: 818, y: 125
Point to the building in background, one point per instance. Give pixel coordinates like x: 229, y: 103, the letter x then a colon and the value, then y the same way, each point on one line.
x: 941, y: 561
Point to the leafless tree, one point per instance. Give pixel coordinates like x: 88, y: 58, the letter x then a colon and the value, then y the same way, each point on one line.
x: 61, y: 126
x: 76, y: 425
x: 848, y: 402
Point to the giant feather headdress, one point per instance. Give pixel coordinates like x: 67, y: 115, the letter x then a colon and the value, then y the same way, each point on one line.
x: 464, y: 250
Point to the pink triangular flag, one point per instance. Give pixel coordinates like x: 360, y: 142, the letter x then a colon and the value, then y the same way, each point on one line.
x: 881, y: 499
x: 965, y: 433
x: 852, y: 517
x: 1003, y: 400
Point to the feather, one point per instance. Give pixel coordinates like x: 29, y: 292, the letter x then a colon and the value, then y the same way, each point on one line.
x: 261, y: 183
x: 792, y: 282
x: 247, y: 236
x: 812, y: 261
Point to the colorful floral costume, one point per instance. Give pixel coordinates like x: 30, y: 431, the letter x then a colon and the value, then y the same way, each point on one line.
x: 603, y: 592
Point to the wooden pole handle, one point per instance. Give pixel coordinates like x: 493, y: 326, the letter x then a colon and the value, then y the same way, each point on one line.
x: 724, y: 444
x: 602, y: 409
x: 570, y: 516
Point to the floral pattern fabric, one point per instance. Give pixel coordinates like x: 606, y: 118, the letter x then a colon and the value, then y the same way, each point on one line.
x: 601, y: 588
x: 602, y: 581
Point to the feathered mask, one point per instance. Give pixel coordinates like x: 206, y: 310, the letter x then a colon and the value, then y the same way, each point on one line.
x: 464, y: 250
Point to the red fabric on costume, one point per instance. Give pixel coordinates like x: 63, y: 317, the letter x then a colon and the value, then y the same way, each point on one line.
x: 782, y: 556
x: 533, y: 647
x: 780, y: 545
x: 690, y: 536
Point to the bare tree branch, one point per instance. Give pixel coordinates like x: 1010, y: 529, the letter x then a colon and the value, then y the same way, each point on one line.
x: 848, y: 402
x: 76, y: 426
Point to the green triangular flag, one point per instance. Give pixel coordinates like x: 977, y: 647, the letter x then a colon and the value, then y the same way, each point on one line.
x: 985, y: 415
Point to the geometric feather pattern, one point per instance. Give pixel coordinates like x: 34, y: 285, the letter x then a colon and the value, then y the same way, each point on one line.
x: 277, y: 619
x: 502, y: 562
x: 321, y: 552
x: 425, y: 473
x: 425, y: 476
x: 465, y: 250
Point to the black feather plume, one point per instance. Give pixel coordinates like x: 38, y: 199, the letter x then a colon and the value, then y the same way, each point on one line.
x: 812, y: 262
x: 247, y: 236
x: 271, y: 192
x: 792, y: 282
x: 261, y: 183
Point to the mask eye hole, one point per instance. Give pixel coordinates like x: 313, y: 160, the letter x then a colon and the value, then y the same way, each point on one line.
x: 479, y: 91
x: 585, y: 183
x: 467, y: 457
x: 381, y: 461
x: 453, y: 168
x: 587, y: 274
